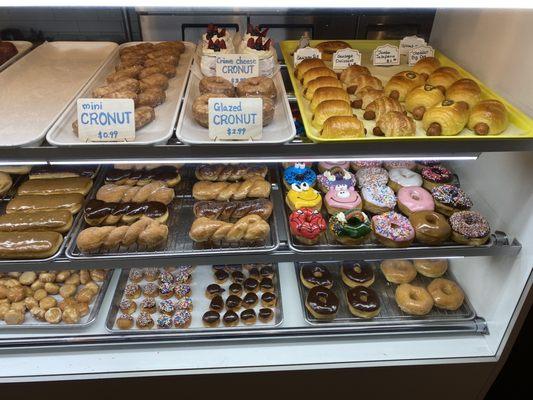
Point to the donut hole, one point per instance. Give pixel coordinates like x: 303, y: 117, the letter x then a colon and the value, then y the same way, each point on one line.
x: 322, y: 299
x: 357, y: 269
x: 394, y: 225
x: 414, y: 296
x: 364, y: 298
x: 447, y: 290
x: 415, y: 196
x: 317, y: 274
x: 430, y: 219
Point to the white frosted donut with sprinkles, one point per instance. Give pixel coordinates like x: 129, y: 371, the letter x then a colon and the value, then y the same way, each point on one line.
x: 393, y: 229
x: 372, y: 176
x: 403, y: 177
x: 378, y: 199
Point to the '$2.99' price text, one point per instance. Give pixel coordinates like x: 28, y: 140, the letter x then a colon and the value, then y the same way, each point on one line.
x: 236, y: 131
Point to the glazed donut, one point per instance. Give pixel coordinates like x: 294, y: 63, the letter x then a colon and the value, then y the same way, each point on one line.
x: 469, y: 227
x: 449, y: 199
x: 413, y: 300
x: 298, y: 174
x: 363, y: 302
x: 393, y: 229
x: 357, y: 273
x: 398, y: 271
x: 403, y: 177
x: 357, y: 165
x: 307, y: 225
x: 431, y: 268
x: 350, y: 227
x: 430, y: 227
x: 446, y: 294
x: 259, y: 86
x: 372, y: 176
x: 322, y: 303
x: 315, y: 274
x: 378, y: 199
x: 436, y: 175
x: 414, y: 199
x: 216, y: 85
x: 399, y: 164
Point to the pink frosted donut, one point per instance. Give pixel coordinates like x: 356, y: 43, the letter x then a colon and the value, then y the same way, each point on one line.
x: 325, y: 165
x: 357, y: 165
x: 342, y: 198
x: 412, y: 199
x: 393, y: 229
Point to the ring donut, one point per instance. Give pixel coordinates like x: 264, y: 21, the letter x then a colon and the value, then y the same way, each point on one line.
x: 414, y: 300
x: 446, y: 294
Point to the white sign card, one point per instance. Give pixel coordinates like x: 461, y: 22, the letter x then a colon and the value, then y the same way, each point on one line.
x: 306, y: 52
x: 410, y: 42
x: 419, y: 53
x: 235, y: 118
x: 106, y: 120
x: 237, y: 67
x: 386, y: 54
x: 345, y: 57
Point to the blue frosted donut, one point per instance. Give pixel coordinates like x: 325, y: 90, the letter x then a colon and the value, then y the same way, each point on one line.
x: 299, y: 174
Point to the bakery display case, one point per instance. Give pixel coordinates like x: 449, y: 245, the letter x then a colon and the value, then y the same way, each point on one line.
x: 397, y: 245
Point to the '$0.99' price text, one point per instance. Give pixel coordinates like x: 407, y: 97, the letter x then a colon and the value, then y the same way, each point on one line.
x: 236, y: 131
x: 107, y: 135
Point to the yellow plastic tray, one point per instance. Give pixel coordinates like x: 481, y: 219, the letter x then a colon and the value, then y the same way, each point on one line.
x: 520, y: 125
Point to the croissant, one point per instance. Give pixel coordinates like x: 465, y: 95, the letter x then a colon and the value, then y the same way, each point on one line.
x: 233, y: 210
x: 306, y: 65
x: 444, y: 76
x: 352, y: 72
x: 363, y: 81
x: 394, y: 124
x: 99, y: 212
x: 380, y: 107
x: 164, y: 173
x: 365, y: 96
x: 154, y: 191
x: 320, y: 82
x: 325, y: 94
x: 488, y: 117
x: 421, y: 98
x: 250, y: 229
x: 402, y: 83
x: 328, y: 109
x: 225, y: 191
x: 144, y: 232
x: 464, y: 90
x: 223, y: 173
x: 447, y: 118
x: 426, y: 65
x: 316, y: 73
x: 343, y: 127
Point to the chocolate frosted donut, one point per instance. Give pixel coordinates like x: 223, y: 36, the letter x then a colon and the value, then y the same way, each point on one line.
x: 235, y: 288
x: 248, y: 316
x: 216, y: 85
x: 217, y: 303
x: 233, y: 302
x: 250, y: 300
x: 266, y: 272
x: 251, y: 285
x: 266, y: 285
x: 213, y: 290
x: 363, y: 302
x: 237, y: 277
x: 221, y: 276
x: 322, y: 303
x: 211, y: 318
x: 266, y: 315
x: 268, y: 299
x: 355, y: 273
x: 230, y: 318
x: 315, y: 275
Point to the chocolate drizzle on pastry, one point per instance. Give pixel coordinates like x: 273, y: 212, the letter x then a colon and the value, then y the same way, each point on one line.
x: 162, y: 173
x: 99, y: 209
x: 231, y: 211
x: 217, y: 303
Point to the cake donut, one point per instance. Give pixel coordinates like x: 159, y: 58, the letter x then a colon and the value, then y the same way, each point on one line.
x: 322, y: 303
x: 315, y: 274
x: 248, y: 316
x: 363, y: 302
x: 449, y: 199
x: 216, y: 85
x: 407, y: 164
x: 393, y: 229
x: 230, y: 318
x: 182, y: 319
x: 211, y: 319
x: 298, y: 174
x: 357, y: 165
x: 436, y: 175
x: 413, y: 300
x: 372, y: 176
x: 265, y: 315
x: 350, y: 227
x: 446, y: 294
x: 303, y: 196
x: 431, y: 268
x: 469, y: 227
x: 414, y: 199
x: 430, y: 227
x: 333, y: 177
x: 357, y: 273
x: 250, y: 300
x: 325, y: 165
x: 307, y: 225
x: 378, y: 199
x: 341, y: 198
x: 259, y: 86
x: 403, y: 177
x: 398, y: 271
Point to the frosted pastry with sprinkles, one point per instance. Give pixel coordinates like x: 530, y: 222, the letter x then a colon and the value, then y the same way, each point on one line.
x: 450, y: 199
x: 378, y: 199
x: 469, y: 227
x: 393, y: 229
x: 372, y: 176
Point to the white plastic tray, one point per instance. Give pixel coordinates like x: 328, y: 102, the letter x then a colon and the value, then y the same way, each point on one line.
x: 37, y: 88
x: 157, y: 132
x: 22, y: 47
x: 280, y: 130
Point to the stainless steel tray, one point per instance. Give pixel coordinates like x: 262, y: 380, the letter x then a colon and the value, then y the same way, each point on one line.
x: 84, y: 322
x: 180, y: 219
x: 202, y: 276
x: 22, y: 47
x: 390, y: 315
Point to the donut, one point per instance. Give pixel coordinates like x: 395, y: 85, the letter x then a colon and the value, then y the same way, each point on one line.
x: 357, y: 165
x: 268, y: 299
x: 398, y: 271
x: 248, y: 316
x: 393, y: 229
x: 299, y: 174
x: 403, y: 177
x: 216, y: 85
x: 372, y: 176
x: 414, y: 300
x: 166, y: 290
x: 148, y: 305
x: 357, y: 273
x: 421, y: 164
x: 166, y: 277
x: 303, y: 196
x: 213, y: 290
x: 230, y: 318
x: 267, y: 271
x: 407, y: 164
x: 266, y: 285
x: 182, y: 319
x: 182, y: 290
x: 251, y: 285
x: 127, y: 306
x: 132, y: 291
x: 150, y: 290
x: 235, y: 288
x: 307, y: 225
x: 265, y: 315
x: 431, y: 268
x: 150, y: 274
x: 167, y: 307
x: 124, y: 321
x: 315, y: 274
x: 216, y: 304
x: 185, y: 303
x: 325, y: 165
x: 135, y: 275
x: 211, y: 319
x: 333, y: 177
x: 341, y: 198
x: 250, y: 300
x: 237, y: 277
x: 446, y: 294
x: 414, y: 199
x: 221, y: 276
x: 144, y: 321
x: 430, y: 227
x: 259, y: 86
x: 469, y: 227
x: 363, y: 302
x: 350, y: 227
x: 322, y: 303
x: 164, y: 322
x: 449, y: 199
x: 436, y: 175
x: 378, y: 199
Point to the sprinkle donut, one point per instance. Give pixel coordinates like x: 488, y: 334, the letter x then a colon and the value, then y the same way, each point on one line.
x: 414, y: 199
x: 393, y: 229
x: 378, y: 199
x: 436, y: 175
x: 450, y: 199
x: 307, y: 225
x: 372, y: 176
x: 469, y: 227
x: 399, y: 164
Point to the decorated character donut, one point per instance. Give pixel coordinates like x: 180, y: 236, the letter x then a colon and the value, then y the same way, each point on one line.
x: 298, y: 174
x: 303, y: 196
x: 341, y: 198
x: 350, y: 227
x: 333, y: 177
x: 307, y: 225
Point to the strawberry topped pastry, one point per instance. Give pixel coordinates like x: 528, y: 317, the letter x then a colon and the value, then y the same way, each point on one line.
x: 255, y: 32
x: 215, y: 34
x: 256, y: 42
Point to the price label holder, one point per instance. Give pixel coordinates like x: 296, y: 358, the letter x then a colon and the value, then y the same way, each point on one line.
x: 419, y: 53
x: 237, y: 67
x: 345, y: 57
x: 106, y: 120
x: 235, y: 118
x: 411, y: 42
x: 386, y: 55
x: 306, y: 52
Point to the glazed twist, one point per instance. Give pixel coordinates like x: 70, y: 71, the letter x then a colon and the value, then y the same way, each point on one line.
x: 154, y: 191
x: 225, y: 191
x: 250, y: 229
x: 223, y: 173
